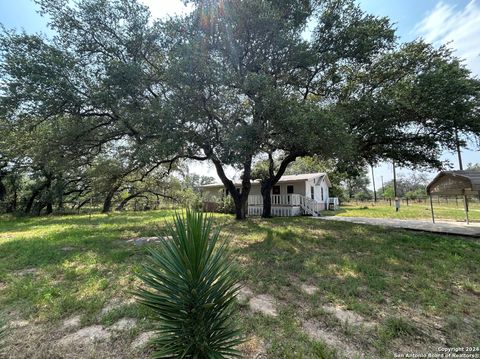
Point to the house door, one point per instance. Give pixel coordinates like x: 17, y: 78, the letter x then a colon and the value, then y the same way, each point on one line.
x: 289, y: 192
x: 312, y: 192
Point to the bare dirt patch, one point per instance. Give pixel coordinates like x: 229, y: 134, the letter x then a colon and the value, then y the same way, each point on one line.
x: 347, y: 316
x: 140, y: 241
x: 316, y: 332
x: 116, y: 303
x: 124, y: 324
x: 67, y: 249
x: 264, y: 304
x: 253, y: 348
x: 244, y: 294
x: 72, y: 322
x: 25, y: 272
x: 308, y: 289
x: 20, y: 323
x: 86, y: 336
x: 142, y: 340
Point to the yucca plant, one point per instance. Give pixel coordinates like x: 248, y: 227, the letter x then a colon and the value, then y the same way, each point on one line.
x: 191, y: 287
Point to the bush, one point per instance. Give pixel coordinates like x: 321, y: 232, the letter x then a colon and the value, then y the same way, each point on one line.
x: 192, y: 289
x: 191, y: 199
x: 227, y: 205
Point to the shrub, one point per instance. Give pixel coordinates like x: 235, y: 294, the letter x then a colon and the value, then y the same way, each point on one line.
x: 227, y: 205
x: 191, y: 290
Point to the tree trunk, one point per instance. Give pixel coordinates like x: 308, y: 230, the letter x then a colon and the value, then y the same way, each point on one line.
x: 107, y: 203
x: 12, y: 206
x: 268, y: 183
x: 40, y: 207
x: 83, y: 203
x: 240, y: 198
x: 48, y: 186
x: 265, y: 190
x: 60, y: 203
x: 3, y: 190
x: 31, y: 200
x: 127, y: 199
x: 139, y: 194
x: 241, y: 203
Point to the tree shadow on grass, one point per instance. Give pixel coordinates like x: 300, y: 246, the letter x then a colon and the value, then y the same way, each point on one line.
x: 116, y: 218
x: 58, y: 246
x: 358, y: 266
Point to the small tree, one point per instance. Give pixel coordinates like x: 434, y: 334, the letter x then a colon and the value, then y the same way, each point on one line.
x: 388, y: 192
x: 192, y: 289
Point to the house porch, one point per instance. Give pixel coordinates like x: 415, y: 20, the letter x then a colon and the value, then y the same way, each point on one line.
x: 285, y: 205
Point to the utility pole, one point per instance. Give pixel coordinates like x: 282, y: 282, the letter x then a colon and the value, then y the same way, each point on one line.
x: 374, y: 190
x: 394, y: 180
x: 459, y: 151
x: 383, y: 188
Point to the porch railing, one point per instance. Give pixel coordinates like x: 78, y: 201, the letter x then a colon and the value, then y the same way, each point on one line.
x: 307, y: 204
x: 277, y: 199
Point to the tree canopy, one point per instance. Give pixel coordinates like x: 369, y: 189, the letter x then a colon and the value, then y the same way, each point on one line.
x: 114, y: 95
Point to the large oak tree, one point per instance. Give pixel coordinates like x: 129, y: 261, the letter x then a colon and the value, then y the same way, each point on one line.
x: 233, y: 82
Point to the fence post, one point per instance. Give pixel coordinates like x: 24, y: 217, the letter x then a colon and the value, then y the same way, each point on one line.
x: 465, y: 201
x: 431, y: 208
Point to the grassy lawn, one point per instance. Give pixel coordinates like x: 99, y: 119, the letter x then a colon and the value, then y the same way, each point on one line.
x: 443, y: 211
x: 408, y: 291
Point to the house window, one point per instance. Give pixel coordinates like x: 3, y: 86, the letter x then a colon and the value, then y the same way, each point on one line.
x: 290, y: 189
x: 312, y: 192
x: 276, y: 190
x: 321, y: 192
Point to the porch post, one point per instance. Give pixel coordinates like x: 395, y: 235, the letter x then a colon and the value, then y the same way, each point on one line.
x: 431, y: 208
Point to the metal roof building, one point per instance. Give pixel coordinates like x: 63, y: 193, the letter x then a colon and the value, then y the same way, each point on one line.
x: 454, y: 183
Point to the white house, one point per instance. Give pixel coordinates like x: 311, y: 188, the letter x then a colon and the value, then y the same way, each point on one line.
x: 293, y: 195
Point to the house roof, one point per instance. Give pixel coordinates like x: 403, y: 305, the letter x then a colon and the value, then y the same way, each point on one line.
x: 455, y: 182
x: 283, y: 179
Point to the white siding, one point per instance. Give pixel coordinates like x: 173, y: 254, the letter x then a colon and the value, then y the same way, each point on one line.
x: 308, y: 185
x: 323, y: 185
x: 212, y: 194
x: 255, y: 189
x: 298, y: 188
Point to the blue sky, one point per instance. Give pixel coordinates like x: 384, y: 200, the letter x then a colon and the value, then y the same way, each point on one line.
x: 453, y: 22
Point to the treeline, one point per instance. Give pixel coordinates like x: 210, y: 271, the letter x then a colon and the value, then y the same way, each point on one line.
x: 114, y: 101
x: 408, y: 187
x: 100, y: 186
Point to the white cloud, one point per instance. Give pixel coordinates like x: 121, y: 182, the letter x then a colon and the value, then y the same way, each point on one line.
x: 458, y: 26
x: 163, y: 8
